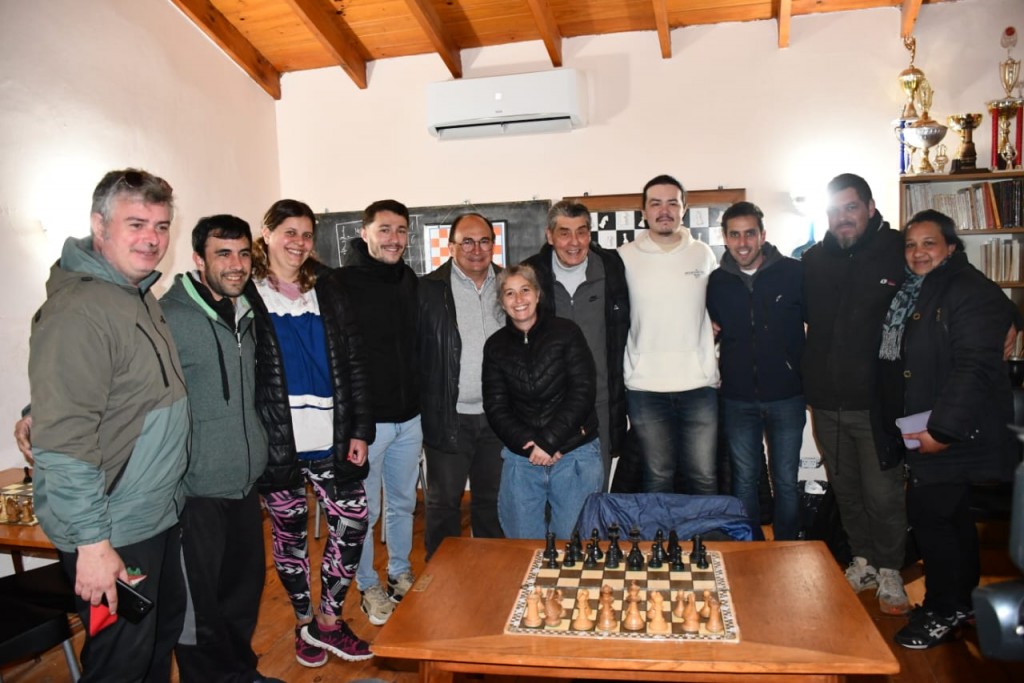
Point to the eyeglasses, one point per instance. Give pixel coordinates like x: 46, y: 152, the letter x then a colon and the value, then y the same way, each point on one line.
x: 484, y: 243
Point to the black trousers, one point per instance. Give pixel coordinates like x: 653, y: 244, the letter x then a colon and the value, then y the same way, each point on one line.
x: 124, y: 652
x: 947, y: 539
x: 478, y: 458
x: 225, y: 566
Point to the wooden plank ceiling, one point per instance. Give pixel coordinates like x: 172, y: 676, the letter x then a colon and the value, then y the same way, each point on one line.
x: 270, y: 37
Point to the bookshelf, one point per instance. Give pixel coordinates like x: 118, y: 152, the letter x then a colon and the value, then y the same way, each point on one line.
x: 988, y: 208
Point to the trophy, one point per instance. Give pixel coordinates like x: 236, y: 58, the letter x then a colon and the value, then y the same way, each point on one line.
x: 926, y: 132
x: 1005, y: 109
x: 910, y: 80
x: 941, y: 159
x: 966, y: 156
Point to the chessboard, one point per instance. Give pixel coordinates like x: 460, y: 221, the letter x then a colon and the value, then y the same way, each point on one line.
x: 702, y: 583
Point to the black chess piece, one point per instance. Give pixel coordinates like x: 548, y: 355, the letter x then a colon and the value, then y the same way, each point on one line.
x: 596, y: 539
x: 590, y: 559
x: 615, y: 553
x: 569, y: 560
x: 676, y: 559
x: 550, y: 552
x: 577, y: 544
x: 658, y: 549
x: 673, y: 542
x: 702, y: 560
x: 635, y: 559
x: 699, y: 555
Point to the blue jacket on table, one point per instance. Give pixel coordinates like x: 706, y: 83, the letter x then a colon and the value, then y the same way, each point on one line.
x: 762, y: 327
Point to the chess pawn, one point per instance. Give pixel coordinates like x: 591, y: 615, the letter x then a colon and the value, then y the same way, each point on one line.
x: 584, y: 620
x: 680, y: 604
x: 532, y: 618
x: 690, y: 612
x: 634, y: 621
x: 691, y: 623
x: 714, y: 624
x: 607, y: 595
x: 655, y: 603
x: 606, y: 618
x: 633, y: 592
x: 655, y: 616
x: 705, y: 610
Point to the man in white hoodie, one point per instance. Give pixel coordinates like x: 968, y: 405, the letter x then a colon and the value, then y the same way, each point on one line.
x: 670, y: 369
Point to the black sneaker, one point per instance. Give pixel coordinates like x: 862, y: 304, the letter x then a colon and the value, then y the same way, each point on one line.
x: 927, y: 629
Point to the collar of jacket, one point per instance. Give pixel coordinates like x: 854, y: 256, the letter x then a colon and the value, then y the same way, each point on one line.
x: 359, y: 257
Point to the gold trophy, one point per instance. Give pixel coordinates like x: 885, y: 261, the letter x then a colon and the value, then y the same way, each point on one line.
x: 1006, y: 108
x: 966, y: 156
x: 926, y: 132
x: 910, y: 80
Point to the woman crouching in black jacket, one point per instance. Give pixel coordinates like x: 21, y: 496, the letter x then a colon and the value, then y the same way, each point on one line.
x: 942, y: 363
x: 539, y: 386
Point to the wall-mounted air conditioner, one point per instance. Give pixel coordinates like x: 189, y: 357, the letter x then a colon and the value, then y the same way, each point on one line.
x: 538, y: 102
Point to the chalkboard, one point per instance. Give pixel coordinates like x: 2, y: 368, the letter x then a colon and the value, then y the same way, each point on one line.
x: 523, y: 225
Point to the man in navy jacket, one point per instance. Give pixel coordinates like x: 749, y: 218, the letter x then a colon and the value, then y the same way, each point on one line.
x: 755, y: 299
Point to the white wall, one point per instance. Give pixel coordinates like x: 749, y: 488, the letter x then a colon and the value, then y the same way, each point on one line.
x: 90, y: 86
x: 728, y: 109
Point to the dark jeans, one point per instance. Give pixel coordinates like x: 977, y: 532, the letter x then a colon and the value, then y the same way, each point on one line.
x: 678, y: 433
x: 124, y: 652
x: 947, y: 539
x: 872, y: 502
x: 478, y: 458
x: 747, y: 424
x: 225, y: 567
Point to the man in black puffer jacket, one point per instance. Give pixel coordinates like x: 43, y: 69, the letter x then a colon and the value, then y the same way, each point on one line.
x: 850, y: 278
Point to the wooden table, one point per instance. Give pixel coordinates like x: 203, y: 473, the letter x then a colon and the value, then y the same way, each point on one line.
x: 18, y: 539
x: 797, y: 616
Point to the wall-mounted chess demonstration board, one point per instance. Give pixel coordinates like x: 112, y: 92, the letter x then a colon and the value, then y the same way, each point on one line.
x: 668, y: 583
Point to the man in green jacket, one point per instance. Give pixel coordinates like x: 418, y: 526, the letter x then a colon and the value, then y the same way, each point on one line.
x: 222, y: 528
x: 110, y: 427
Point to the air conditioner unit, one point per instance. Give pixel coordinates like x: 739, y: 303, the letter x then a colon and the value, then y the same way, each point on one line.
x: 538, y: 102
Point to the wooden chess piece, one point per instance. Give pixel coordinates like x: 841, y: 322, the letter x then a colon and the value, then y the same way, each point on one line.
x: 596, y: 538
x: 532, y: 618
x: 705, y: 610
x: 553, y: 607
x: 691, y: 623
x: 569, y: 558
x: 679, y: 606
x: 690, y: 611
x: 715, y: 624
x: 633, y: 592
x: 634, y: 621
x: 614, y: 550
x: 607, y: 595
x: 655, y: 615
x: 584, y: 620
x: 606, y: 618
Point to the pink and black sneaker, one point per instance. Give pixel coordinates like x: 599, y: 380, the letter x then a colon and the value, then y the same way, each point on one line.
x: 308, y: 655
x: 337, y: 639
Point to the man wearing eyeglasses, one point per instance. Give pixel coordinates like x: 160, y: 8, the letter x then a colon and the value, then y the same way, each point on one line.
x: 110, y: 422
x: 382, y: 289
x: 458, y: 312
x: 592, y: 293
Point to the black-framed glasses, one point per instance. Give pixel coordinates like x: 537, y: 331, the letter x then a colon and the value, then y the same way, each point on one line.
x: 484, y: 243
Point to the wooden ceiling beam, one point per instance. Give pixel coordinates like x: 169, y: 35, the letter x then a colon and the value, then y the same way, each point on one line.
x: 428, y: 20
x: 661, y: 22
x: 548, y: 28
x: 321, y: 20
x: 908, y: 16
x: 215, y: 25
x: 785, y: 14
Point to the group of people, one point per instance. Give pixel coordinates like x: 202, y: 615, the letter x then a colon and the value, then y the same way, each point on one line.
x: 157, y: 426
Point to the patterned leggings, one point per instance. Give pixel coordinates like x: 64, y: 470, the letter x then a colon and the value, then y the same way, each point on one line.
x: 345, y: 509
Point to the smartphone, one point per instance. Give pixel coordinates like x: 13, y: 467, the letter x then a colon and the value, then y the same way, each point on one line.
x: 131, y: 604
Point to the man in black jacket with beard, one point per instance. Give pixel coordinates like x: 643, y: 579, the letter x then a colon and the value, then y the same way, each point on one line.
x: 592, y: 293
x: 382, y: 290
x: 850, y: 278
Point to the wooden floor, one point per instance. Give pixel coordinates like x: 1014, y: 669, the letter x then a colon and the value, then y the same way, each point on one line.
x: 958, y: 662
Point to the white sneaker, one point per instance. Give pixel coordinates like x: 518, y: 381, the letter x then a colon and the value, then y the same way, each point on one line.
x: 862, y: 575
x: 892, y: 597
x: 397, y: 588
x: 377, y: 606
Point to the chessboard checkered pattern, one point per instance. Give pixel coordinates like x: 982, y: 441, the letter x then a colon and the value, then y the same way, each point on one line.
x: 668, y: 583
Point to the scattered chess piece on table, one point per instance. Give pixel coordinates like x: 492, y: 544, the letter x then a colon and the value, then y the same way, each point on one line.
x: 532, y: 618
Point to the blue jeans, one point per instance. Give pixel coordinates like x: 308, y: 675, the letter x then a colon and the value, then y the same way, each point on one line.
x: 678, y: 434
x: 747, y: 425
x: 526, y: 489
x: 394, y: 465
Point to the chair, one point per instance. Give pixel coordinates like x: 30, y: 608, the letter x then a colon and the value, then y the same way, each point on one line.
x: 35, y: 605
x: 721, y: 517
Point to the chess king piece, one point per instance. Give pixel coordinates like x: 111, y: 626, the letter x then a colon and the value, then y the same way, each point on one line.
x: 532, y: 618
x: 966, y: 158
